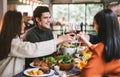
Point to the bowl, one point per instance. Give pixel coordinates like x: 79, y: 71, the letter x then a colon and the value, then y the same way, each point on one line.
x: 66, y: 66
x: 69, y: 51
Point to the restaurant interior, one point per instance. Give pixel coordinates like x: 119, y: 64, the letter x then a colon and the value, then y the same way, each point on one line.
x: 64, y: 12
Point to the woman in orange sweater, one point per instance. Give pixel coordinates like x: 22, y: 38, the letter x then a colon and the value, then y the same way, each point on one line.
x: 105, y: 60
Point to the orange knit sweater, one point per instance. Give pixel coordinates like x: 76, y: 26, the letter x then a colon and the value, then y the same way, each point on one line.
x: 97, y: 67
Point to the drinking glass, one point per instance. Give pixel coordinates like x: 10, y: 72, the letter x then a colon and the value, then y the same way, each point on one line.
x: 77, y: 29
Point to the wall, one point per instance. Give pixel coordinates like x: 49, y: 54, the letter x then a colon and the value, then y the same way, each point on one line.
x: 11, y: 7
x: 3, y: 9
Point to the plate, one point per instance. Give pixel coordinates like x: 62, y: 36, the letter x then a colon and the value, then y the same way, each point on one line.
x: 32, y: 65
x: 43, y: 75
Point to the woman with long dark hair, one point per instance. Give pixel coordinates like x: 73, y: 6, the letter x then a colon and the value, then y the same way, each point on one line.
x: 13, y: 50
x: 105, y: 60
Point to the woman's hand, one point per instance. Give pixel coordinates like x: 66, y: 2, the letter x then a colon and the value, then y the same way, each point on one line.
x: 84, y: 38
x: 63, y: 38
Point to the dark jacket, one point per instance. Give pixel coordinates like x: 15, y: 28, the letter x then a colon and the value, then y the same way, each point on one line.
x: 37, y: 35
x: 94, y: 39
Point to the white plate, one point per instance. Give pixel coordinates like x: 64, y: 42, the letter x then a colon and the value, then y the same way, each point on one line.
x: 32, y: 65
x: 26, y: 72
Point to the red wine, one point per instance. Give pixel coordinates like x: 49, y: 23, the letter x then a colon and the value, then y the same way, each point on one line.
x: 72, y: 35
x: 71, y: 32
x: 77, y: 31
x: 77, y: 43
x: 66, y: 32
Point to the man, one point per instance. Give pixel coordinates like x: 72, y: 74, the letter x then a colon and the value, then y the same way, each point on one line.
x: 41, y: 31
x: 115, y: 7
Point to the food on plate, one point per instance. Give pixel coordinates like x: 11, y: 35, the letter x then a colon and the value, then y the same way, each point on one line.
x: 51, y: 60
x: 36, y: 62
x: 45, y: 64
x: 35, y: 72
x: 86, y: 54
x: 84, y: 57
x: 82, y: 64
x: 76, y: 61
x: 40, y: 63
x: 45, y: 69
x: 46, y: 61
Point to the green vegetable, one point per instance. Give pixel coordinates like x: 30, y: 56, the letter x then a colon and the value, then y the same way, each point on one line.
x: 69, y: 46
x: 50, y: 59
x: 64, y: 59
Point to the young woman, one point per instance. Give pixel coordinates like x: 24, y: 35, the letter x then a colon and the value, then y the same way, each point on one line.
x: 105, y: 60
x: 13, y: 50
x: 115, y: 7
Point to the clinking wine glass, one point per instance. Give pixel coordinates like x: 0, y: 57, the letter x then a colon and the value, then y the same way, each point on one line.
x: 68, y: 29
x: 72, y: 29
x: 77, y: 30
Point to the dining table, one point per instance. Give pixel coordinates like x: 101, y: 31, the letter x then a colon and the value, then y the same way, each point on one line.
x: 71, y: 73
x: 74, y: 72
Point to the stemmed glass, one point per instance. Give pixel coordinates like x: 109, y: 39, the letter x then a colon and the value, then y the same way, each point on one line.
x: 77, y: 29
x: 68, y: 29
x: 72, y: 29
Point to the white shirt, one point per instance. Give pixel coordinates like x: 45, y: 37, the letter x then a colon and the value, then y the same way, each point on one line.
x: 20, y: 50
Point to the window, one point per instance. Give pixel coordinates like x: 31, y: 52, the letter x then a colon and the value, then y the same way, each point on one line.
x: 77, y: 13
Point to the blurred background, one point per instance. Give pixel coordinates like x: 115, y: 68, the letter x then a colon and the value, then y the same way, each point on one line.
x: 64, y: 12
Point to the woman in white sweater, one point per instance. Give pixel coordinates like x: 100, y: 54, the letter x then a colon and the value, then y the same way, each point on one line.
x: 13, y: 50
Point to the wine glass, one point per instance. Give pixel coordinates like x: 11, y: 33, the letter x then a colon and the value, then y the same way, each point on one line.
x: 72, y: 29
x: 77, y: 28
x: 68, y: 29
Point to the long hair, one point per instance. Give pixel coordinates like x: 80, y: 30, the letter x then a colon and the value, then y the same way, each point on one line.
x: 11, y: 27
x: 109, y: 34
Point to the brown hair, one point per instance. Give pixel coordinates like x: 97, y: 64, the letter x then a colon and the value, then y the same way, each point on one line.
x: 38, y: 12
x: 11, y: 27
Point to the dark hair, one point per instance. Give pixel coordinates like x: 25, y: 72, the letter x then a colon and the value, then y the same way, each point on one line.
x: 11, y: 27
x: 39, y: 10
x: 109, y: 34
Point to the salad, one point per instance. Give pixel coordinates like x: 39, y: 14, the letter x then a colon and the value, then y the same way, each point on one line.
x: 50, y: 59
x: 73, y: 45
x: 65, y: 59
